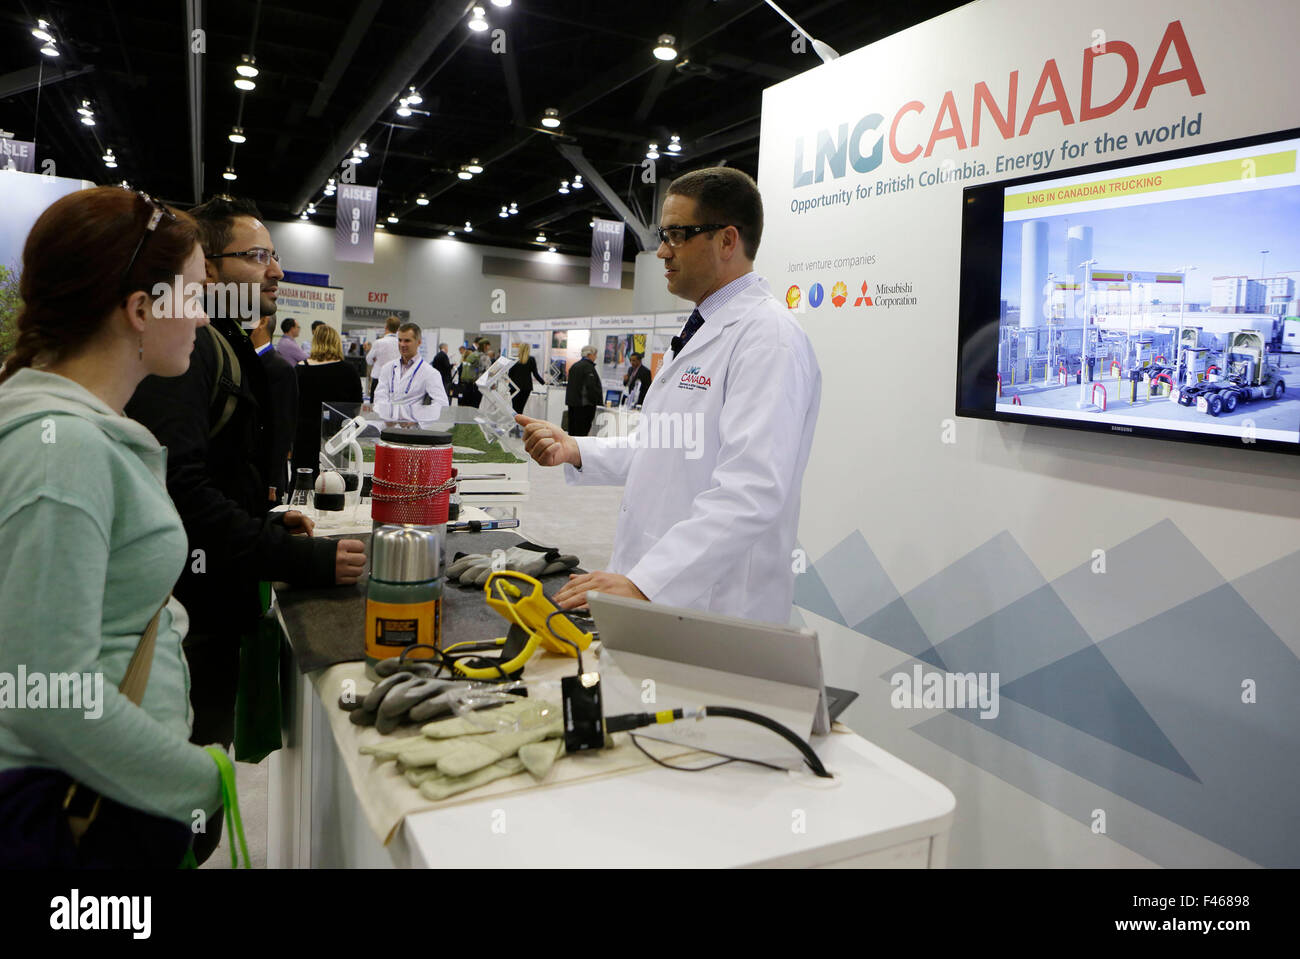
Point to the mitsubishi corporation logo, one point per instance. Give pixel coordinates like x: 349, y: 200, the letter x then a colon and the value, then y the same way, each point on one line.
x: 792, y: 297
x: 864, y: 299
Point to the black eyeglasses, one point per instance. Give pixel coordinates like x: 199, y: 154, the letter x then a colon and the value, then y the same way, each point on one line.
x: 155, y: 217
x: 263, y: 257
x: 678, y: 235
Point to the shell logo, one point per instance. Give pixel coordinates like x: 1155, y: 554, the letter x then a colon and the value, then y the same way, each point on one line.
x: 839, y: 293
x: 792, y: 297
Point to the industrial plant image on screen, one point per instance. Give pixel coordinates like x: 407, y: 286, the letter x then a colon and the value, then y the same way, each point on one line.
x: 1160, y: 295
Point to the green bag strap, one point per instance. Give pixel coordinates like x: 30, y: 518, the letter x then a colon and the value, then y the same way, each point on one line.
x: 230, y: 375
x: 230, y: 801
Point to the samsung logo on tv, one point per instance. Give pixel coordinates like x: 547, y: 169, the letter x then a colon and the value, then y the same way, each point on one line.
x: 1122, y: 429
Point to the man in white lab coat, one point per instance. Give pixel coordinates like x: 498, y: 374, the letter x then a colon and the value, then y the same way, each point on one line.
x: 409, y: 379
x: 713, y: 473
x: 384, y: 351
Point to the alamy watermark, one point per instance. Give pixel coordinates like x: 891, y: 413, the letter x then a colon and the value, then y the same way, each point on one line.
x: 37, y: 690
x: 667, y: 431
x: 936, y: 689
x: 236, y: 301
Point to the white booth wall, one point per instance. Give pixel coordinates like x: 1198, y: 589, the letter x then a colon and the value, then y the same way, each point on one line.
x: 1126, y: 734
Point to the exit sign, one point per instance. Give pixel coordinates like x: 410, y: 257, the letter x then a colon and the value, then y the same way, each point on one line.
x: 374, y: 297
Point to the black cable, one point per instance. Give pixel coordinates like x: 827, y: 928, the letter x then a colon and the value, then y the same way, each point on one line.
x: 810, y: 757
x: 699, y: 769
x: 630, y: 721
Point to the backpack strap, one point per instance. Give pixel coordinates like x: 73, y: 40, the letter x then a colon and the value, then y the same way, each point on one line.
x: 228, y: 379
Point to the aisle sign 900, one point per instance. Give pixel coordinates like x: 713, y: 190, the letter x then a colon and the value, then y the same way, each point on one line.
x: 356, y: 225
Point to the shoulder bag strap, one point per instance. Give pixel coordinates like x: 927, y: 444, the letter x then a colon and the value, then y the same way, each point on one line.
x: 137, y: 671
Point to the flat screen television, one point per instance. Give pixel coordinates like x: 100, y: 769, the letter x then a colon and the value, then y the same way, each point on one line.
x: 1157, y: 298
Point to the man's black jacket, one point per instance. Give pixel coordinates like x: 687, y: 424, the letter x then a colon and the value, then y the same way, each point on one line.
x: 443, y: 365
x: 219, y: 488
x: 282, y: 384
x: 584, y: 387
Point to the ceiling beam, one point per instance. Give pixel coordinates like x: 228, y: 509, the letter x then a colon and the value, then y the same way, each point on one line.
x: 343, y: 54
x: 21, y: 81
x: 444, y: 18
x: 194, y: 92
x: 646, y: 239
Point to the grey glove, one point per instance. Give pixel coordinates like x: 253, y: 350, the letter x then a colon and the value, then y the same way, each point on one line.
x: 474, y: 569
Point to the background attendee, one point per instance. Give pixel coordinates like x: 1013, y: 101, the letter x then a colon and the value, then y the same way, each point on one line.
x: 442, y: 363
x: 288, y: 345
x: 92, y: 544
x: 282, y: 417
x: 636, y: 379
x: 409, y: 379
x: 711, y: 527
x: 583, y: 393
x: 522, y: 375
x: 213, y: 422
x: 323, y: 378
x: 473, y: 366
x: 384, y: 350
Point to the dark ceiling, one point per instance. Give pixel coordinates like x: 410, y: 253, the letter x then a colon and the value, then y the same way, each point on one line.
x: 331, y: 75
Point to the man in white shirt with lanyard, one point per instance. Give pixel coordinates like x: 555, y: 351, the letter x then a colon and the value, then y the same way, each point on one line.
x: 409, y: 379
x: 713, y: 472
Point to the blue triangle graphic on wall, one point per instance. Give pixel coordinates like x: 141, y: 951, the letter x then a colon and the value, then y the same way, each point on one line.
x: 810, y: 593
x: 1085, y: 692
x: 896, y: 626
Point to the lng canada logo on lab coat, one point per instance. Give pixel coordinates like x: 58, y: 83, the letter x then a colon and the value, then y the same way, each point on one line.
x: 693, y: 379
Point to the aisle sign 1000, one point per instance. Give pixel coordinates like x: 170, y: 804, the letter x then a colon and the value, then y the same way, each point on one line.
x: 607, y: 254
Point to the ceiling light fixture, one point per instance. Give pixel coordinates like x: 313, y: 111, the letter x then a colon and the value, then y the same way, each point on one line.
x: 675, y: 144
x: 88, y: 119
x: 413, y: 97
x: 302, y: 216
x: 514, y: 207
x: 230, y: 173
x: 504, y: 213
x: 50, y: 50
x: 110, y: 161
x: 551, y: 249
x: 653, y: 152
x: 551, y: 118
x: 451, y: 232
x: 577, y: 182
x: 392, y: 218
x: 360, y: 151
x: 85, y: 110
x: 236, y: 135
x: 311, y: 207
x: 464, y: 174
x: 422, y: 200
x: 245, y: 67
x: 475, y: 167
x: 245, y: 84
x: 564, y: 186
x: 42, y: 31
x: 500, y: 3
x: 468, y: 228
x: 402, y: 109
x: 541, y: 238
x: 667, y: 47
x: 379, y: 226
x: 478, y: 20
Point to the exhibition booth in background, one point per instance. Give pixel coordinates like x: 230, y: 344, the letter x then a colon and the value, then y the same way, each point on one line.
x: 1133, y: 600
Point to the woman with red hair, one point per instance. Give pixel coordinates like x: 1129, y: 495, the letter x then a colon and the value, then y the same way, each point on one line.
x: 91, y: 775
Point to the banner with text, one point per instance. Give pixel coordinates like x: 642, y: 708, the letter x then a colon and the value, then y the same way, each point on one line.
x: 18, y: 155
x: 354, y: 223
x: 307, y: 304
x: 607, y: 254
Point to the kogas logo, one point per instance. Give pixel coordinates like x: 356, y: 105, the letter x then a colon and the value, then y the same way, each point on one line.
x: 839, y: 293
x: 792, y: 297
x: 816, y: 294
x: 843, y: 147
x: 693, y: 379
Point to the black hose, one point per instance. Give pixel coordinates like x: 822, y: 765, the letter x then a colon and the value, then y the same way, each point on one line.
x: 792, y: 738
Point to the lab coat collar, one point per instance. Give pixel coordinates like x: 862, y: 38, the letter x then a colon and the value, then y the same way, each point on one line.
x: 737, y: 309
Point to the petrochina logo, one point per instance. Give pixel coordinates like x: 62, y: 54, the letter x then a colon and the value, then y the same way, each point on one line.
x: 792, y: 297
x: 816, y: 294
x: 839, y: 294
x: 864, y: 299
x: 693, y: 379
